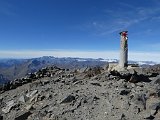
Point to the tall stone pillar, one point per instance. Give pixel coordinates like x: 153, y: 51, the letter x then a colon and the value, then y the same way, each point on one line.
x: 123, y: 62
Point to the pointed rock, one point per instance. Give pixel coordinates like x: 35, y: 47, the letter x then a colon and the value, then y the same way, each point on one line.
x: 23, y: 99
x: 31, y: 94
x: 29, y: 107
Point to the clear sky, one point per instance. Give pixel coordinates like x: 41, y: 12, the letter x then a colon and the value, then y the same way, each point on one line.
x: 82, y: 28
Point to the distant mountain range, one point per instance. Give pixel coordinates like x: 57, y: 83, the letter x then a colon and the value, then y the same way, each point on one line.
x: 11, y: 69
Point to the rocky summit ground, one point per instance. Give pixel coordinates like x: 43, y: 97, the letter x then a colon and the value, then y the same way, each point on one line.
x: 83, y: 94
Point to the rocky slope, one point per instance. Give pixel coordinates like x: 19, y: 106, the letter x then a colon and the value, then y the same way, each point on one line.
x: 53, y: 93
x: 153, y: 68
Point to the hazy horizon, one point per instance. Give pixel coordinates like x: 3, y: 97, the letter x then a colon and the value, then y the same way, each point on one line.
x: 135, y: 56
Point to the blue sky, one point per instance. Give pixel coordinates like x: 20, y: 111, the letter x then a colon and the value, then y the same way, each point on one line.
x: 82, y: 28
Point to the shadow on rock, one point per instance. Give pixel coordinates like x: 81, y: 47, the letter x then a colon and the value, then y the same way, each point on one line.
x: 139, y: 78
x: 133, y: 78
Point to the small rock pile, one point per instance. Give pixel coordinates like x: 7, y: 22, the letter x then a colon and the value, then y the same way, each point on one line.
x: 45, y: 72
x: 54, y: 93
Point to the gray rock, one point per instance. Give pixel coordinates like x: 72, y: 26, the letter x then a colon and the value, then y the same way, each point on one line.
x: 134, y: 79
x: 23, y: 116
x: 96, y: 84
x: 34, y: 98
x: 140, y: 100
x: 150, y: 117
x: 23, y: 99
x: 155, y: 106
x: 51, y: 109
x: 48, y: 96
x: 112, y: 77
x: 29, y: 107
x: 125, y: 92
x: 44, y: 82
x: 69, y: 99
x: 31, y: 94
x: 125, y: 104
x: 9, y: 106
x: 123, y: 117
x: 83, y: 69
x: 153, y: 112
x: 156, y: 80
x: 132, y: 85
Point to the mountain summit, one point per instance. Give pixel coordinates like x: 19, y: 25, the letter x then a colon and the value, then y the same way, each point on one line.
x: 54, y: 93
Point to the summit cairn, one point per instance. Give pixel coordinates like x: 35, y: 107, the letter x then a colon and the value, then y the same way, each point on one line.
x: 123, y: 61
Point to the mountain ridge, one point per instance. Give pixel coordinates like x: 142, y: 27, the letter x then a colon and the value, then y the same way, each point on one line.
x: 16, y: 68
